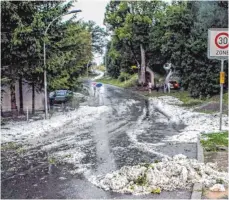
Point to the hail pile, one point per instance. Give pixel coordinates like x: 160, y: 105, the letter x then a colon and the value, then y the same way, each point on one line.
x: 169, y: 174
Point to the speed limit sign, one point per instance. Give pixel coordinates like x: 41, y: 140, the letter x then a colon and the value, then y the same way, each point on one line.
x: 218, y: 49
x: 218, y: 42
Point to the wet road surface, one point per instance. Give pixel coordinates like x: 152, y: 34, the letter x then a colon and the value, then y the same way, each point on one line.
x: 59, y: 167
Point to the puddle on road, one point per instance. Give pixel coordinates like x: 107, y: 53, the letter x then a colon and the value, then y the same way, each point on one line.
x: 105, y: 159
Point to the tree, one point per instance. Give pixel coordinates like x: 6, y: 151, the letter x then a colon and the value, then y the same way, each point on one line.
x: 153, y: 33
x: 70, y: 58
x: 185, y: 42
x: 98, y: 36
x: 69, y: 46
x: 131, y: 22
x: 10, y: 57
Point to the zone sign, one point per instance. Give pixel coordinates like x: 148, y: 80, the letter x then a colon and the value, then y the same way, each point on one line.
x: 218, y: 43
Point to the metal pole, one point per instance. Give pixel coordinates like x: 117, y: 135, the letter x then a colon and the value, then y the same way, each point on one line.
x: 45, y: 76
x: 221, y: 99
x: 27, y: 114
x: 105, y: 62
x: 45, y: 85
x: 87, y: 68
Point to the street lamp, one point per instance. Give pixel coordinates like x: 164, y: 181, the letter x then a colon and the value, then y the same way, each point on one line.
x: 45, y: 73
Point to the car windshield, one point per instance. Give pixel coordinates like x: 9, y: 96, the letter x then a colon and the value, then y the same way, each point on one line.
x: 61, y: 92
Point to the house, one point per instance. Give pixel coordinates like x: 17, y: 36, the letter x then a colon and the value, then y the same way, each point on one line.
x: 27, y: 98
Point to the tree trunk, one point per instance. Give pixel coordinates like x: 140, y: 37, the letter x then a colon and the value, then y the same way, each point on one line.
x: 33, y: 98
x: 143, y: 66
x: 13, y: 99
x: 139, y: 75
x: 1, y: 112
x: 1, y: 102
x: 21, y: 96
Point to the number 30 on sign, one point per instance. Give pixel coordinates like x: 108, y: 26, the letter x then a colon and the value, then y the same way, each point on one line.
x: 218, y: 42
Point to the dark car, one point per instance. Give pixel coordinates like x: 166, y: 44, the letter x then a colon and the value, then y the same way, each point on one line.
x: 174, y: 85
x: 60, y: 96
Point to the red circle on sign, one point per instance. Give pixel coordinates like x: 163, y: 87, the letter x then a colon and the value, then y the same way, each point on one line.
x: 216, y: 39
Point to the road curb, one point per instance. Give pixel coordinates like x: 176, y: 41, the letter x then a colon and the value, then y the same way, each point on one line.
x: 197, y: 188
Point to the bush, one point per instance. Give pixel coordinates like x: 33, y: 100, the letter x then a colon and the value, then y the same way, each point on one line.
x: 131, y: 82
x: 124, y: 76
x: 213, y: 141
x: 101, y: 68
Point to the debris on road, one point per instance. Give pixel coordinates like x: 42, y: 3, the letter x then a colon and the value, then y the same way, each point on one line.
x: 178, y: 172
x: 24, y: 131
x: 195, y: 122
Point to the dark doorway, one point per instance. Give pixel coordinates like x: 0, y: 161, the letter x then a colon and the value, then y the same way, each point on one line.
x: 148, y: 77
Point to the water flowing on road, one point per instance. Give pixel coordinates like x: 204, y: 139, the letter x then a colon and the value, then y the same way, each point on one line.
x: 128, y: 133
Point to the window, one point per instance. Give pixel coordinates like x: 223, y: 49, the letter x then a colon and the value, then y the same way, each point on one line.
x: 61, y: 92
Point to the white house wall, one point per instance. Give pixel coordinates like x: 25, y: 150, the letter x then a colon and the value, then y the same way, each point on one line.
x: 27, y: 98
x: 6, y: 104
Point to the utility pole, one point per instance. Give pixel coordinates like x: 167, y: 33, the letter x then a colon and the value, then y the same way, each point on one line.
x: 45, y: 84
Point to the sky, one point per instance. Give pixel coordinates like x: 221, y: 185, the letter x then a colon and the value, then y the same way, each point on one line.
x: 91, y: 10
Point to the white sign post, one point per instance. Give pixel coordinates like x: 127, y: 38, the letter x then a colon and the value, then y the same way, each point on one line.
x: 218, y: 49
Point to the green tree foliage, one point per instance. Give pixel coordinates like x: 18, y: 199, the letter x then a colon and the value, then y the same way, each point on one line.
x: 131, y: 23
x: 69, y: 44
x: 98, y: 36
x: 156, y: 33
x: 185, y: 44
x: 70, y: 58
x: 98, y: 39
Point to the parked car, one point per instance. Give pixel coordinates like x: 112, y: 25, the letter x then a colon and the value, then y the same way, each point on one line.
x: 60, y: 96
x: 174, y: 85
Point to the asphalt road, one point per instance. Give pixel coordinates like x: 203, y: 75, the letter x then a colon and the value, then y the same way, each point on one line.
x: 127, y: 135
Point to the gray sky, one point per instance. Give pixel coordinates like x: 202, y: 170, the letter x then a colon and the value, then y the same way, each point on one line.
x: 91, y: 10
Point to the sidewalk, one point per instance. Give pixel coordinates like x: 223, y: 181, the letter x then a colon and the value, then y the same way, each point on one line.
x: 221, y: 158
